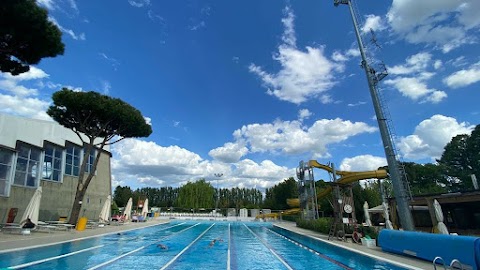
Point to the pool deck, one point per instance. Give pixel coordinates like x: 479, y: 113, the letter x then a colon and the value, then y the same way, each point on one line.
x: 10, y: 242
x: 375, y: 252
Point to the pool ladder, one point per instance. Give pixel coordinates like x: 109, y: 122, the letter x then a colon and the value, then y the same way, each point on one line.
x: 454, y: 264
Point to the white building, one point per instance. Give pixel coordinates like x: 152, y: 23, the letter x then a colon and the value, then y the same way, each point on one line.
x: 43, y: 153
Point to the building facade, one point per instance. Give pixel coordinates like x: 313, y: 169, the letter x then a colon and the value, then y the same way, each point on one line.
x: 42, y: 153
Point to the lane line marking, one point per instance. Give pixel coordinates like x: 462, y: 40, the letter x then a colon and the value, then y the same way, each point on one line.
x: 228, y: 252
x: 72, y: 240
x: 186, y: 248
x: 138, y: 249
x: 326, y: 257
x: 271, y: 250
x: 53, y: 258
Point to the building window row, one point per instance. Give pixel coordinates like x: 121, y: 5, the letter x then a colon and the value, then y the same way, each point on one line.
x: 28, y: 164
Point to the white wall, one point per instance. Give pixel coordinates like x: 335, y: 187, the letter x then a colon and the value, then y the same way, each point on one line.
x: 35, y: 132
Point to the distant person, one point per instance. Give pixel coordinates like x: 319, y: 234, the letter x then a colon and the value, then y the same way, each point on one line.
x: 28, y: 224
x: 162, y: 246
x: 212, y: 243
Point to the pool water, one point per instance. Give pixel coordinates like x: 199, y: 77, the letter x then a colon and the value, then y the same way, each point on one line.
x: 190, y: 245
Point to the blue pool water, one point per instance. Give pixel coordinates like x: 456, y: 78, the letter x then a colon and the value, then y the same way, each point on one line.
x: 239, y: 245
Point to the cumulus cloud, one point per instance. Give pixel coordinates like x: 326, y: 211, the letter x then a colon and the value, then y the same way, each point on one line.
x: 33, y: 74
x: 303, y: 74
x: 136, y: 162
x: 24, y: 106
x: 362, y: 163
x: 430, y: 137
x: 229, y: 152
x: 292, y: 137
x: 373, y: 22
x: 464, y: 77
x: 304, y: 114
x: 12, y: 85
x: 444, y: 23
x: 415, y: 85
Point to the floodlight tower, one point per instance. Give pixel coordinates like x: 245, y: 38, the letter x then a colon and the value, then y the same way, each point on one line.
x: 399, y: 181
x: 217, y: 175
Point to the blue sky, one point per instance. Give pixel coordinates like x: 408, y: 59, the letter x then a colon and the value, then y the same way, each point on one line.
x: 249, y: 88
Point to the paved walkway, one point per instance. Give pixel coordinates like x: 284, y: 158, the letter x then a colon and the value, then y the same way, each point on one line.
x: 10, y: 242
x: 375, y: 252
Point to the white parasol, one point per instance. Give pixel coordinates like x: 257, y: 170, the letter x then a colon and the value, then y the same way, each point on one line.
x: 442, y: 228
x: 368, y: 222
x: 145, y: 208
x: 33, y: 207
x: 106, y: 210
x: 386, y: 215
x: 128, y: 209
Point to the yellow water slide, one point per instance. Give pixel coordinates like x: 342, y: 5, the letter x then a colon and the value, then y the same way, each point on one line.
x: 346, y: 177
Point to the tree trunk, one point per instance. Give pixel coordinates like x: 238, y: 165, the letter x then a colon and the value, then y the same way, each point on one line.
x: 75, y: 213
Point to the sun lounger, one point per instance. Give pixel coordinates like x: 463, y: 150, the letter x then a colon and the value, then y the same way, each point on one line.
x: 45, y: 228
x: 17, y: 229
x: 63, y: 226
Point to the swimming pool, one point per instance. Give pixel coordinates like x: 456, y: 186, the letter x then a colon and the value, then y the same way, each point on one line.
x: 190, y: 245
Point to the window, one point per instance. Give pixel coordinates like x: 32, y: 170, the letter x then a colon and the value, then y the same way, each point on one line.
x: 52, y: 163
x: 6, y: 161
x: 90, y: 160
x: 26, y: 169
x: 72, y: 161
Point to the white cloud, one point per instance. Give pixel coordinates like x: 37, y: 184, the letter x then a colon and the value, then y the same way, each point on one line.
x: 373, y: 22
x: 444, y: 23
x: 18, y: 90
x: 415, y: 63
x: 139, y: 3
x: 431, y: 136
x: 114, y: 62
x: 353, y: 52
x: 288, y: 36
x: 356, y: 104
x: 32, y: 74
x: 304, y: 114
x: 73, y: 5
x: 415, y: 87
x: 303, y: 74
x: 105, y: 86
x: 24, y: 106
x: 47, y: 3
x: 70, y: 32
x: 11, y: 83
x: 229, y: 152
x: 463, y: 77
x: 292, y: 137
x: 339, y: 57
x: 197, y: 26
x: 438, y: 64
x: 155, y: 17
x: 362, y: 163
x: 265, y: 170
x: 136, y: 163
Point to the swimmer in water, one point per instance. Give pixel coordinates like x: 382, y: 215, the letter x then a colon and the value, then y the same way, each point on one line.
x: 212, y: 243
x: 162, y: 246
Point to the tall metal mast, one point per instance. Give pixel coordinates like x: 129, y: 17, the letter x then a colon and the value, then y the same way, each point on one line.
x: 399, y: 182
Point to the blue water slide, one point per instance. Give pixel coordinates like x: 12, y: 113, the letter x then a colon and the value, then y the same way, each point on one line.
x: 427, y: 246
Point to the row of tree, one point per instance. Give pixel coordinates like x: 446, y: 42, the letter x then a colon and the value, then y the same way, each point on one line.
x: 199, y: 194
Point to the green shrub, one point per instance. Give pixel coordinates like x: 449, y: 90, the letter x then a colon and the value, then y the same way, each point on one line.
x: 321, y: 225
